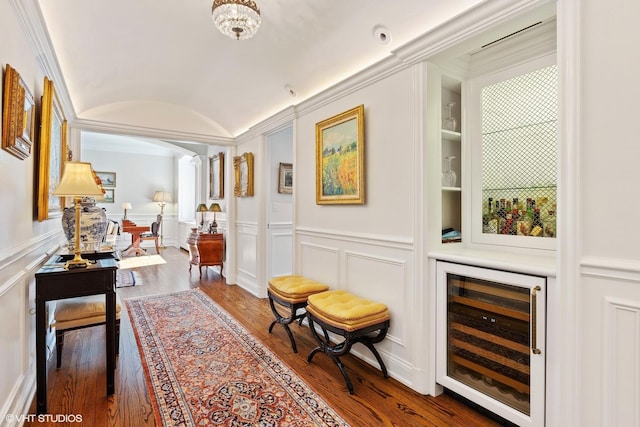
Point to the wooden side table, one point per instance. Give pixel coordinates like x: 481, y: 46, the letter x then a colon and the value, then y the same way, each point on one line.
x: 205, y: 249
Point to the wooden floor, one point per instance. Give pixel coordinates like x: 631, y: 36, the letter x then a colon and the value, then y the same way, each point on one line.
x: 79, y: 386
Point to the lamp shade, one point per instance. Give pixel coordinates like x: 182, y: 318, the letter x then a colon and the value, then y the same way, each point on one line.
x: 215, y: 207
x: 77, y: 180
x: 202, y: 208
x: 126, y: 205
x: 162, y: 196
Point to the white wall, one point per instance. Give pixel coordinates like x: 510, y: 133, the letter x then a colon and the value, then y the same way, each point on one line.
x: 609, y: 254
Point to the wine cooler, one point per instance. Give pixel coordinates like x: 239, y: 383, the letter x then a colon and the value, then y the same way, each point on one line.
x: 490, y: 339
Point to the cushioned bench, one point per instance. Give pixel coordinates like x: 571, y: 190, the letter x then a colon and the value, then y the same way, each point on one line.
x: 82, y: 312
x: 355, y: 319
x: 291, y: 292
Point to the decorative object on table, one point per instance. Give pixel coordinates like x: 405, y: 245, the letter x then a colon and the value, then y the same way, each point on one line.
x: 125, y: 206
x: 108, y: 179
x: 449, y: 122
x: 215, y: 207
x: 93, y: 225
x: 18, y: 115
x: 449, y: 176
x: 246, y: 382
x: 243, y: 168
x: 340, y: 158
x: 162, y: 197
x: 51, y: 153
x: 237, y: 19
x: 77, y: 182
x: 216, y: 176
x: 202, y: 208
x: 285, y: 178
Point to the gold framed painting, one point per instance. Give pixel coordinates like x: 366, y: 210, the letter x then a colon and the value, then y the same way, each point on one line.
x: 18, y: 116
x: 340, y: 158
x: 216, y: 176
x: 243, y: 168
x: 285, y: 178
x: 52, y: 153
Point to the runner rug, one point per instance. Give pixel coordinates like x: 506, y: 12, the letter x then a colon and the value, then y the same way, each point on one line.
x: 203, y: 368
x: 125, y: 278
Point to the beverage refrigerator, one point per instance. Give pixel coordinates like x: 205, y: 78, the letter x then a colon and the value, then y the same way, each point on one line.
x: 491, y: 339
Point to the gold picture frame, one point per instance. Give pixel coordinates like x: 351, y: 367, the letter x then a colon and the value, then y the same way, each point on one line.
x: 243, y: 168
x: 18, y: 116
x: 340, y: 159
x: 51, y: 154
x: 285, y: 178
x: 216, y: 176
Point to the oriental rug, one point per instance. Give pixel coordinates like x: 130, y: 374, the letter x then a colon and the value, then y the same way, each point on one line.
x: 125, y: 278
x: 203, y: 368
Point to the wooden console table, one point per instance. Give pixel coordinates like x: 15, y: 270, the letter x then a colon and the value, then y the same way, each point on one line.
x: 205, y: 249
x: 53, y: 282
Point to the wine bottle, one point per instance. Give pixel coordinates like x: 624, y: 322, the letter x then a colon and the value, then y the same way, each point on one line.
x: 536, y: 226
x: 486, y: 216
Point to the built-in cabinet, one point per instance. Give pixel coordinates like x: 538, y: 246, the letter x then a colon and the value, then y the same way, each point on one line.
x: 451, y: 153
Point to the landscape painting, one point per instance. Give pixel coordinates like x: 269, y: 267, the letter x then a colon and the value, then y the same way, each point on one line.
x: 340, y: 158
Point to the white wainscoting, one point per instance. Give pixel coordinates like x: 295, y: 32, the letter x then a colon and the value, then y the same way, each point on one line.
x: 281, y: 249
x: 247, y: 257
x: 610, y: 319
x: 17, y: 302
x: 380, y: 268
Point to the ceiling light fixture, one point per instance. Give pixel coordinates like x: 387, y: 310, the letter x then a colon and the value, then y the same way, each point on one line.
x: 238, y: 19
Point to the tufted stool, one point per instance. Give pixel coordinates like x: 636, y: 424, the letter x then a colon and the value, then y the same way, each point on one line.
x: 82, y: 312
x: 353, y: 318
x: 291, y: 292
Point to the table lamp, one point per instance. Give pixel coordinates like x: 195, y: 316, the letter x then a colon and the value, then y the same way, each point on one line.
x: 125, y: 206
x: 202, y: 208
x: 215, y: 207
x: 162, y: 197
x: 77, y: 181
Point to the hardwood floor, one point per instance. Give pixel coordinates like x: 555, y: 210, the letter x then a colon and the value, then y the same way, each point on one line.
x: 78, y: 387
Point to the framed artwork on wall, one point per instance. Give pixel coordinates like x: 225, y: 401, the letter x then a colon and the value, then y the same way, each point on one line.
x: 340, y: 158
x: 216, y: 176
x: 108, y: 179
x: 52, y: 153
x: 109, y: 195
x: 285, y: 178
x: 18, y: 115
x: 243, y: 168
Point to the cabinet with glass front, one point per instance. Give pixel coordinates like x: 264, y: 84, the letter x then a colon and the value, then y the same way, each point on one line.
x: 451, y: 156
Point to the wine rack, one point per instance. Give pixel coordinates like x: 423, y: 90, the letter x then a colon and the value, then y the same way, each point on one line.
x: 489, y: 339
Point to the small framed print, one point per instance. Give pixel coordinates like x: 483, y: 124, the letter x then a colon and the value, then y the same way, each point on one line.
x: 108, y: 179
x: 285, y: 178
x: 109, y: 195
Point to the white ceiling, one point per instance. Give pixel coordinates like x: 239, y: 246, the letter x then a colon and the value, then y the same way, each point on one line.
x: 116, y: 53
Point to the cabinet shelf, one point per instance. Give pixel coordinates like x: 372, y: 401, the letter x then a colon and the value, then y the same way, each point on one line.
x: 458, y: 189
x: 451, y: 135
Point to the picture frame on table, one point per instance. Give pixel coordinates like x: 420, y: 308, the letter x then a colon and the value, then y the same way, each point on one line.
x: 216, y: 176
x: 108, y: 179
x: 243, y: 168
x: 340, y: 159
x: 52, y: 153
x: 285, y: 178
x: 18, y: 115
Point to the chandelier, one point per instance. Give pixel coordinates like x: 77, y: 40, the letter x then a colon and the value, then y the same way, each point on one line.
x: 238, y: 19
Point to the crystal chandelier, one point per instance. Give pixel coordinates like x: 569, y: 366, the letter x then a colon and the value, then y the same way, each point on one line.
x: 238, y: 19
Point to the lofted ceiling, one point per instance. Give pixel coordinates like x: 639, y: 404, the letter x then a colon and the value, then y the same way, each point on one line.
x: 166, y: 55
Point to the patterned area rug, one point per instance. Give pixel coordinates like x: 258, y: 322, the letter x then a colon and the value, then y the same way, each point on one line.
x: 125, y: 278
x: 204, y: 368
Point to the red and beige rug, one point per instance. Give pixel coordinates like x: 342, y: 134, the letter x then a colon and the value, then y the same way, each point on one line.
x: 203, y: 368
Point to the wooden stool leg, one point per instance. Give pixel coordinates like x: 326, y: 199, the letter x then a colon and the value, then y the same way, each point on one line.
x: 59, y: 345
x: 284, y: 321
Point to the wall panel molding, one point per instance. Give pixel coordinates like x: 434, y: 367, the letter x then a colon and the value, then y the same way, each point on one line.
x: 621, y: 362
x: 611, y: 268
x: 362, y: 238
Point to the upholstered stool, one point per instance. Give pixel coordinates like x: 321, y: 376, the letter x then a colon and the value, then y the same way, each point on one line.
x: 355, y: 319
x: 291, y: 292
x: 82, y: 312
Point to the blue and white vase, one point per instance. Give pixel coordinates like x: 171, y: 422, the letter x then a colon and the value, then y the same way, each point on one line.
x: 93, y: 225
